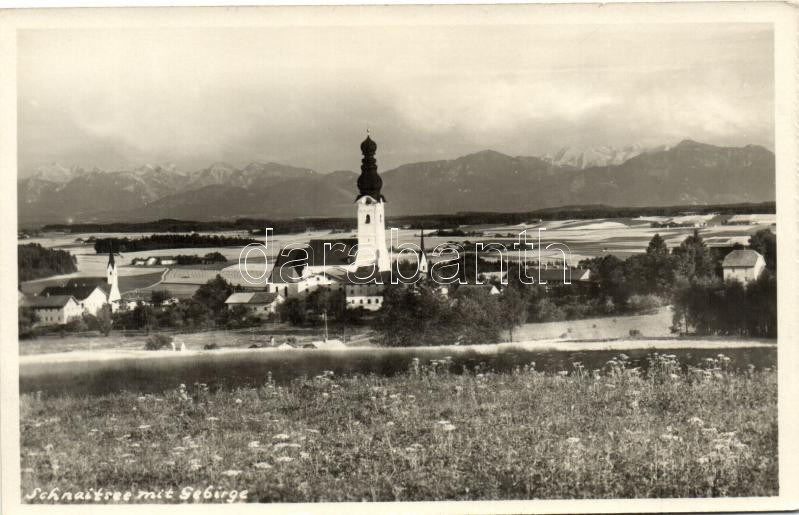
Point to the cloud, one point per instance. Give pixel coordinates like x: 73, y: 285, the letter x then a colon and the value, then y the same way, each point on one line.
x: 305, y: 95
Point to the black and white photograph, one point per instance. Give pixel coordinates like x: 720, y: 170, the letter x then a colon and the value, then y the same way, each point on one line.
x: 498, y: 258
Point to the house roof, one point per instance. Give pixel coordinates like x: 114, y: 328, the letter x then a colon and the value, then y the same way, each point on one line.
x: 101, y: 282
x: 488, y: 287
x: 332, y: 252
x: 556, y: 274
x: 741, y: 258
x: 260, y: 297
x: 79, y: 292
x: 50, y: 302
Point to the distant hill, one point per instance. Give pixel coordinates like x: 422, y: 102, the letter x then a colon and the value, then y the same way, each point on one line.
x: 689, y: 173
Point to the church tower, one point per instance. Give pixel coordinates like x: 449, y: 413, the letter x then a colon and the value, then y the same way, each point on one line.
x: 371, y: 223
x: 113, y: 283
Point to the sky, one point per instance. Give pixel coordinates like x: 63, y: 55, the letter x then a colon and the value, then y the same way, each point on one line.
x: 305, y: 96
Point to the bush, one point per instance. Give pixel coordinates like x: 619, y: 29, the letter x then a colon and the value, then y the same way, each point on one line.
x: 646, y: 303
x: 635, y: 333
x: 158, y: 342
x: 210, y: 346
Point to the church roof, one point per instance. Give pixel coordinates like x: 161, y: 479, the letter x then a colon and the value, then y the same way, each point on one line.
x: 331, y: 252
x: 369, y: 182
x: 102, y: 282
x: 79, y: 292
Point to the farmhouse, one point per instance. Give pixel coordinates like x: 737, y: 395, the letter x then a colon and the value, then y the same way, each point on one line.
x: 90, y: 293
x: 54, y: 309
x: 255, y: 302
x: 743, y: 265
x: 90, y: 297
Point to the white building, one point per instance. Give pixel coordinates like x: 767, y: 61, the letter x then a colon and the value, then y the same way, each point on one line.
x: 91, y: 293
x: 371, y: 212
x: 54, y: 309
x: 263, y: 303
x: 743, y: 265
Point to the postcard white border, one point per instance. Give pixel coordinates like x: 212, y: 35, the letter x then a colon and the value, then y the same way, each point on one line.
x: 782, y: 15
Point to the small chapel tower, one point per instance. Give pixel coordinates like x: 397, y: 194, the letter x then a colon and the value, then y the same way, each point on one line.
x: 113, y: 283
x: 424, y: 263
x: 371, y: 224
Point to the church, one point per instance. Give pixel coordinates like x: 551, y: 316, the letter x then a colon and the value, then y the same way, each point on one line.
x: 59, y: 304
x: 361, y: 266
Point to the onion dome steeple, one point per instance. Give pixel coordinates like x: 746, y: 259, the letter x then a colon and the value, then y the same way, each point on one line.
x: 369, y: 182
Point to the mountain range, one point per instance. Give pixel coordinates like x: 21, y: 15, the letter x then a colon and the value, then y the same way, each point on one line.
x: 687, y: 173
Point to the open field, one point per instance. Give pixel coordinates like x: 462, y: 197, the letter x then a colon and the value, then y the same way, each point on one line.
x: 422, y: 434
x: 605, y: 328
x: 99, y: 372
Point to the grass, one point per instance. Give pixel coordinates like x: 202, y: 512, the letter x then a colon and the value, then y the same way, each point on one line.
x: 426, y: 434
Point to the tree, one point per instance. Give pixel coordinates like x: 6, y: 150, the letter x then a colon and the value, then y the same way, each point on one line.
x: 213, y: 294
x: 513, y: 309
x: 415, y: 315
x: 104, y: 320
x: 157, y: 297
x: 26, y: 320
x: 292, y: 310
x: 765, y: 242
x: 694, y: 260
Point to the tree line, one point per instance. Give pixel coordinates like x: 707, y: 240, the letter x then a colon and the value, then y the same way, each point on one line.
x: 36, y: 262
x: 168, y: 241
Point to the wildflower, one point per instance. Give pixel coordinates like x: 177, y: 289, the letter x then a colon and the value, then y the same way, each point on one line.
x: 283, y: 445
x: 573, y: 440
x: 145, y: 426
x: 448, y: 427
x: 696, y: 421
x: 254, y: 444
x: 231, y: 473
x: 127, y: 455
x: 169, y: 463
x: 674, y: 376
x: 195, y: 465
x: 702, y: 460
x: 239, y: 401
x: 217, y: 457
x: 325, y: 395
x: 262, y: 465
x: 563, y: 373
x: 304, y: 455
x: 281, y: 436
x: 212, y: 419
x: 284, y: 459
x: 389, y: 423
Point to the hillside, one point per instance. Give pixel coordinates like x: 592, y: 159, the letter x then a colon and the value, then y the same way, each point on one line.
x: 689, y: 173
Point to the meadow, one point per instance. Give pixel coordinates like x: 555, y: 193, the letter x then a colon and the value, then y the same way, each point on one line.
x: 434, y: 431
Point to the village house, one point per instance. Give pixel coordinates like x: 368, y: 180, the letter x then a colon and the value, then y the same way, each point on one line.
x: 53, y: 309
x: 264, y: 303
x: 90, y: 297
x: 90, y: 293
x: 743, y: 265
